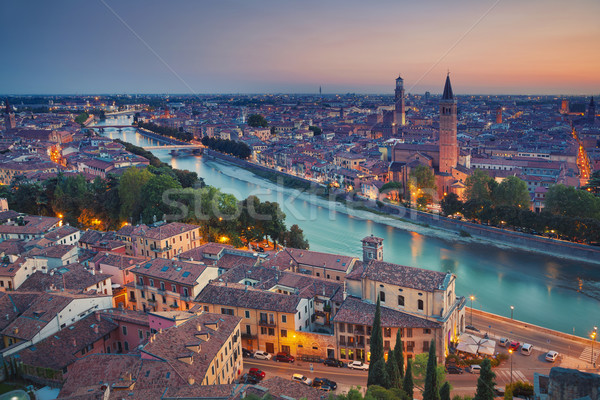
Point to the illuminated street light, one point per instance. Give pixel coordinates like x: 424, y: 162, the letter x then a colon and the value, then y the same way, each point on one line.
x: 593, y: 336
x: 512, y: 308
x: 510, y: 351
x: 472, y: 298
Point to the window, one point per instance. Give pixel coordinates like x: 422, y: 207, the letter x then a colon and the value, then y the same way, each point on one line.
x: 427, y: 331
x: 124, y: 330
x: 283, y: 333
x: 126, y: 346
x: 185, y: 292
x: 425, y: 345
x: 386, y: 344
x: 400, y: 300
x: 408, y: 332
x: 152, y: 282
x: 141, y: 281
x: 174, y: 288
x: 247, y: 314
x: 162, y: 286
x: 227, y: 311
x: 342, y: 328
x: 420, y: 305
x: 140, y: 334
x: 248, y: 330
x: 382, y: 296
x: 284, y: 319
x: 263, y: 330
x: 206, y: 308
x: 271, y: 331
x: 387, y: 332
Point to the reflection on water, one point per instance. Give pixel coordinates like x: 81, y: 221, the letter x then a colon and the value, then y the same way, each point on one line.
x: 560, y: 294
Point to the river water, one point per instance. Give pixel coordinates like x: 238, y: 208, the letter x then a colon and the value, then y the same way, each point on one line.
x: 557, y: 293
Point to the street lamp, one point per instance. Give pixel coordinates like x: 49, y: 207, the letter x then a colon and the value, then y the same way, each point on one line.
x: 512, y: 308
x: 510, y: 351
x: 593, y: 336
x: 472, y: 298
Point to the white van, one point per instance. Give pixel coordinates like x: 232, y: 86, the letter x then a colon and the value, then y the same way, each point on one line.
x: 526, y: 349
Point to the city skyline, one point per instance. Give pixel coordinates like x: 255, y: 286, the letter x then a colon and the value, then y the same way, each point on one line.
x: 492, y: 47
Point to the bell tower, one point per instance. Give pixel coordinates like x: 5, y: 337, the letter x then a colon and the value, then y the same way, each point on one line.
x: 448, y: 143
x: 372, y: 248
x: 399, y: 112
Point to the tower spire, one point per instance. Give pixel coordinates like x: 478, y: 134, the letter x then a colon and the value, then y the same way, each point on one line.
x: 448, y: 95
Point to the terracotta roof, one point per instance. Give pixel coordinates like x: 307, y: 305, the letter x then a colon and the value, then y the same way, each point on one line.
x: 120, y: 261
x: 400, y: 275
x: 237, y: 295
x: 169, y: 230
x: 58, y: 251
x: 59, y: 350
x: 322, y: 260
x: 176, y: 271
x: 356, y: 311
x: 170, y: 345
x: 70, y: 277
x: 279, y: 387
x: 61, y: 232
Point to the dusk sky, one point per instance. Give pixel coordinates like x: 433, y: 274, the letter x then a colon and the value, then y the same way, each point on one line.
x: 280, y: 46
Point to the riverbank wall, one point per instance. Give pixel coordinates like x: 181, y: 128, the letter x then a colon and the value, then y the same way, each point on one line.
x: 527, y: 325
x: 496, y: 236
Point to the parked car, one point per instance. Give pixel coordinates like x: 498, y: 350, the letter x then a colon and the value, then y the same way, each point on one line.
x: 246, y: 353
x: 526, y: 349
x: 475, y: 369
x: 358, y: 365
x: 471, y: 327
x: 257, y: 373
x: 262, y: 355
x: 504, y: 342
x: 284, y: 357
x: 332, y: 362
x: 514, y: 345
x: 249, y: 379
x: 551, y: 356
x: 302, y: 379
x: 453, y: 369
x: 324, y: 383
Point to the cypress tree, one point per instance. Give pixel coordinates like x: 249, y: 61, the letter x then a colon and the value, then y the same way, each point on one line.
x: 392, y: 370
x: 380, y: 375
x: 445, y: 391
x: 431, y: 391
x: 376, y: 346
x: 407, y: 384
x: 399, y: 353
x: 485, y: 382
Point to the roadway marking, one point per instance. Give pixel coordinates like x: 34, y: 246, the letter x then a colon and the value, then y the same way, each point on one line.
x: 586, y: 355
x: 517, y: 375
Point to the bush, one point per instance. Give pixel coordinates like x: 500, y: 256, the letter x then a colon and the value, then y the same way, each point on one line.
x: 520, y: 389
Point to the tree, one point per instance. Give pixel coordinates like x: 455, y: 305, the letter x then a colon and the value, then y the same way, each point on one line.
x: 512, y: 191
x: 451, y: 204
x: 376, y: 346
x: 399, y: 353
x: 130, y: 191
x: 393, y: 190
x: 485, y: 382
x: 593, y: 185
x: 295, y: 238
x: 407, y: 383
x: 316, y: 130
x: 257, y: 120
x: 479, y: 186
x: 154, y: 208
x: 379, y: 373
x: 571, y: 202
x: 423, y: 180
x: 445, y: 391
x: 431, y: 391
x: 392, y: 370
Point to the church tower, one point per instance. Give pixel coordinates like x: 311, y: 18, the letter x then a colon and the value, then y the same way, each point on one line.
x: 499, y: 115
x: 591, y: 116
x: 9, y: 117
x: 372, y: 248
x: 448, y: 143
x: 399, y: 113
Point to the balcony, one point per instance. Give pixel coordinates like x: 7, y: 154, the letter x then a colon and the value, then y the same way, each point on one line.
x: 161, y: 249
x: 248, y: 336
x: 264, y: 322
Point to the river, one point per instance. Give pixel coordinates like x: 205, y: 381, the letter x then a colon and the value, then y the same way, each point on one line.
x: 557, y: 293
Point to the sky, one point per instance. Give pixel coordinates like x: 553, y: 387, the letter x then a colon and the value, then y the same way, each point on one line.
x: 288, y: 46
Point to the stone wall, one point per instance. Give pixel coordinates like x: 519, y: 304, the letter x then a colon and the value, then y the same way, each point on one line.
x: 569, y: 384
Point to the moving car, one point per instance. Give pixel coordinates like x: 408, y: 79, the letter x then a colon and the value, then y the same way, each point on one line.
x: 284, y: 357
x: 514, y: 345
x: 358, y: 365
x: 504, y: 342
x: 332, y: 362
x: 551, y: 356
x: 262, y: 355
x: 475, y: 369
x: 257, y: 373
x: 453, y: 369
x: 324, y: 384
x: 302, y: 379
